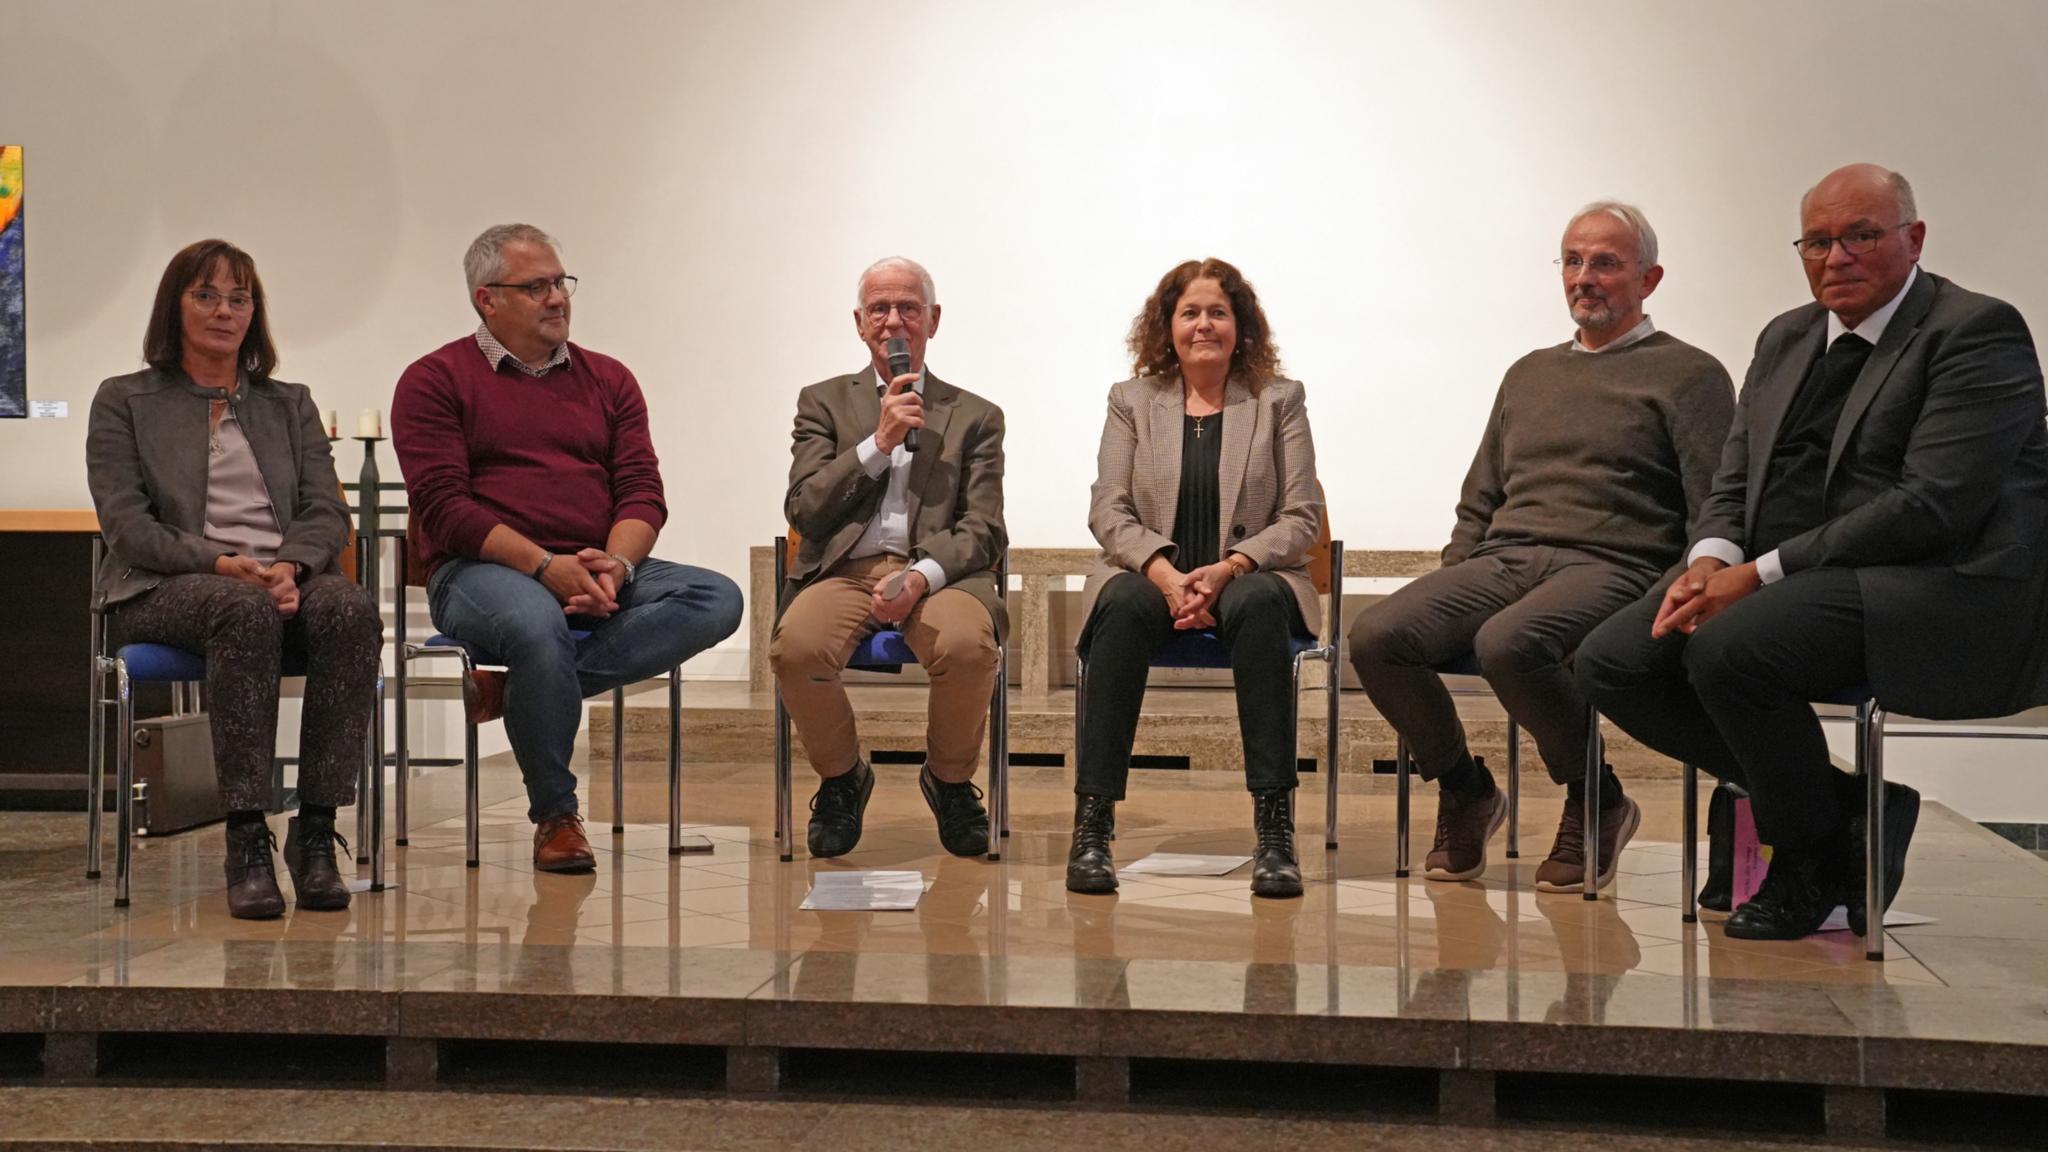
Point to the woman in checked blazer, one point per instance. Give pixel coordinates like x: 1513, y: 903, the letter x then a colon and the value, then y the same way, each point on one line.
x: 1205, y: 504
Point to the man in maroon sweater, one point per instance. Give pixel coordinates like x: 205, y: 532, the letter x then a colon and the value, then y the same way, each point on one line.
x: 537, y: 497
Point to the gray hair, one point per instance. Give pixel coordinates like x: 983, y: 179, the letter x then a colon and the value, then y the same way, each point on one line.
x: 1629, y: 214
x: 924, y: 278
x: 485, y: 260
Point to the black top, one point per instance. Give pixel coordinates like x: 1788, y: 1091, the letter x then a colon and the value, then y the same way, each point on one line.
x: 1795, y: 484
x: 1201, y: 460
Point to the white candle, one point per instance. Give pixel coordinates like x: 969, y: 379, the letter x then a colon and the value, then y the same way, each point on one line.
x: 370, y: 423
x: 331, y: 420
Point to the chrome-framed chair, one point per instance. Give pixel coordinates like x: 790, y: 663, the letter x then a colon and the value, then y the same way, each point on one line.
x: 469, y: 658
x: 1205, y: 649
x: 887, y: 651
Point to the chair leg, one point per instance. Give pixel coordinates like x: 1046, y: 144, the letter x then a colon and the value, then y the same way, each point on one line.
x: 618, y: 761
x: 999, y: 756
x: 124, y: 782
x: 675, y: 760
x: 375, y: 799
x: 1688, y: 865
x: 470, y: 817
x: 1333, y: 692
x: 1591, y: 886
x: 1400, y: 807
x: 1870, y: 750
x: 399, y: 784
x: 785, y: 836
x: 96, y: 764
x: 1514, y: 790
x: 1003, y: 698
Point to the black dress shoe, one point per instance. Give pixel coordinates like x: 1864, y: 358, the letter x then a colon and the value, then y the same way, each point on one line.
x: 252, y: 877
x: 1089, y: 868
x: 1798, y: 894
x: 836, y: 811
x: 309, y: 843
x: 963, y: 822
x: 1274, y: 870
x: 1901, y: 814
x: 1718, y: 893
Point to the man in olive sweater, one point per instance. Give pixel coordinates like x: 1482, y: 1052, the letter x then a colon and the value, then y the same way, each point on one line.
x: 1595, y: 457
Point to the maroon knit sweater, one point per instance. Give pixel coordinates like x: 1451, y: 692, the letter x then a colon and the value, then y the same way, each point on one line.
x: 558, y: 458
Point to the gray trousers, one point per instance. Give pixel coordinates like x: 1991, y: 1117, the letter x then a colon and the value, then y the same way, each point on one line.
x: 236, y: 627
x: 1523, y: 610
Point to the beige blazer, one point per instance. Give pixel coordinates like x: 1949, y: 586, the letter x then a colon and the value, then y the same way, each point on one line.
x: 955, y: 489
x: 1271, y: 511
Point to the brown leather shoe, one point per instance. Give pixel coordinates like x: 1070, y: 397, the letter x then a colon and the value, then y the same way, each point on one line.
x: 1564, y: 870
x: 559, y: 846
x: 1462, y: 830
x: 483, y: 698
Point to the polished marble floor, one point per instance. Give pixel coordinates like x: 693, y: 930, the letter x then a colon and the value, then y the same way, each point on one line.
x: 1991, y: 899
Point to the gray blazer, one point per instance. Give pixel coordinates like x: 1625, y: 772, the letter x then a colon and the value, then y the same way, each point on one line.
x: 1936, y: 496
x: 1271, y: 509
x: 146, y: 463
x: 954, y: 491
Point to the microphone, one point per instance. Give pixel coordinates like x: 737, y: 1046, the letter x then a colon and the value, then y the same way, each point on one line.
x: 898, y: 351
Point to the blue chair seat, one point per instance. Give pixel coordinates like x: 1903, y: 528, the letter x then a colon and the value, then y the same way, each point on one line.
x: 476, y: 654
x: 885, y: 651
x: 161, y: 663
x: 1205, y: 649
x: 1466, y: 665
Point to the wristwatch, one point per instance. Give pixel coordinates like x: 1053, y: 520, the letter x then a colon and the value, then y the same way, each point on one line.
x: 545, y: 560
x: 1236, y: 569
x: 627, y: 565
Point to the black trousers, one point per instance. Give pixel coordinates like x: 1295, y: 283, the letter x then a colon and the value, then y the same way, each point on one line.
x: 1255, y: 616
x: 1734, y: 698
x: 1522, y: 610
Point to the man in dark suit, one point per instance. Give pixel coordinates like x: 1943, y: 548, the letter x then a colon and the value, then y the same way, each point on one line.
x: 893, y: 537
x: 1880, y: 517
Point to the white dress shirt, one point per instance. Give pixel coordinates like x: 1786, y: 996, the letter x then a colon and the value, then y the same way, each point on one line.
x: 889, y: 532
x: 1770, y: 567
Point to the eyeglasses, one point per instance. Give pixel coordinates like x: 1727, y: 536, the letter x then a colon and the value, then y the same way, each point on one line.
x: 1857, y: 242
x: 1605, y: 264
x: 878, y: 312
x: 208, y: 299
x: 538, y: 289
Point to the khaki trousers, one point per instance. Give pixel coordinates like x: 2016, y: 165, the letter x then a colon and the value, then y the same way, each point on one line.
x: 951, y: 633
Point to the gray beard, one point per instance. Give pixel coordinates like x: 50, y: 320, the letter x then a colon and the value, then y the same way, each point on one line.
x: 1593, y: 315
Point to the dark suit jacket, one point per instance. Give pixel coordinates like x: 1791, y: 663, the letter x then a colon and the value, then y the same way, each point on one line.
x: 1937, y: 495
x: 146, y: 463
x: 955, y: 489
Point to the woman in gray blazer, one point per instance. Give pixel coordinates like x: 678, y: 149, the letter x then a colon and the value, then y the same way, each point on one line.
x: 1205, y: 504
x: 224, y: 524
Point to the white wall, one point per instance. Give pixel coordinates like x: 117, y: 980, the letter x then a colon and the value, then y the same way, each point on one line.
x: 1393, y: 177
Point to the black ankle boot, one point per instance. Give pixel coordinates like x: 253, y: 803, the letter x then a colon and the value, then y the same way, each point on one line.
x: 1718, y: 893
x: 1089, y: 868
x: 1274, y: 870
x: 309, y: 843
x: 252, y: 877
x: 1799, y: 891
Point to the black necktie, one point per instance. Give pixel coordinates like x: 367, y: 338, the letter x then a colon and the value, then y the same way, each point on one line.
x: 1845, y: 358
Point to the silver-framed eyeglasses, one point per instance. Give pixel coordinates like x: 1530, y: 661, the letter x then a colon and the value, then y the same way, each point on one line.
x: 1605, y: 264
x: 538, y: 289
x: 208, y: 299
x: 1857, y: 241
x: 878, y: 312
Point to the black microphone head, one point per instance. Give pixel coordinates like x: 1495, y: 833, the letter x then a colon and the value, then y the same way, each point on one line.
x: 898, y: 351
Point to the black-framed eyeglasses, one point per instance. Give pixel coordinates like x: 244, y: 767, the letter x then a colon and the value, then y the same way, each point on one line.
x: 1605, y: 264
x: 538, y: 289
x: 208, y: 299
x: 1857, y: 241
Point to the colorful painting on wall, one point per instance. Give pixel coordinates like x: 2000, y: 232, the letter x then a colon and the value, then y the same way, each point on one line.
x: 13, y: 286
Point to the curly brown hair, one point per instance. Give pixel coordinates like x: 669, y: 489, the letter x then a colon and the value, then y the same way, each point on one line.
x: 1255, y: 360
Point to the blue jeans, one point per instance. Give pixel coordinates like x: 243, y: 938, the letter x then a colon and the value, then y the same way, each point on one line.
x: 669, y: 613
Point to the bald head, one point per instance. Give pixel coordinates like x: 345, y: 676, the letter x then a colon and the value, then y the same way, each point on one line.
x: 1860, y: 206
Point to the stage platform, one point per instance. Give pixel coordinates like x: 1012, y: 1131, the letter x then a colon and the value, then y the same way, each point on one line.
x: 697, y: 978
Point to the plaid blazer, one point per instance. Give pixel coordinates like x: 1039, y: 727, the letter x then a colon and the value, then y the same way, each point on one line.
x: 1270, y: 510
